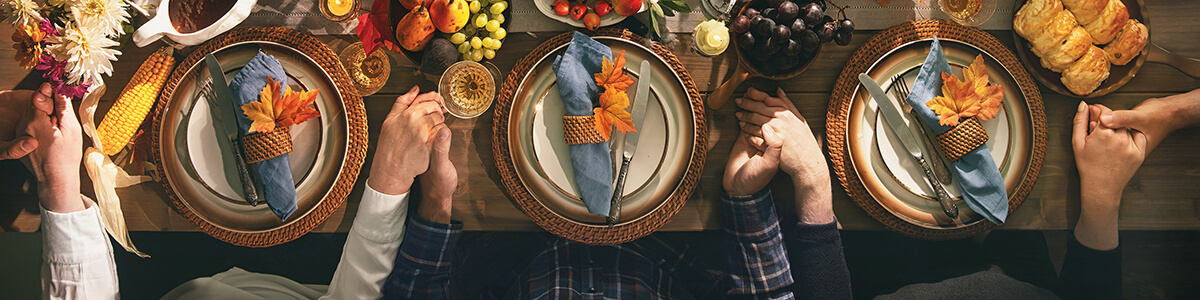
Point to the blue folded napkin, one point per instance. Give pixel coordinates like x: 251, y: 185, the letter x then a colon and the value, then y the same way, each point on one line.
x: 577, y: 86
x: 274, y: 175
x: 975, y: 173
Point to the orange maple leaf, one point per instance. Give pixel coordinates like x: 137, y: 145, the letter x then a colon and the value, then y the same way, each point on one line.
x: 974, y: 96
x: 279, y: 110
x: 612, y: 74
x: 612, y: 113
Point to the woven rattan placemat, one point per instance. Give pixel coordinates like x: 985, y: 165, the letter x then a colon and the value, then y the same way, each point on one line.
x: 873, y: 51
x: 355, y: 153
x: 558, y: 225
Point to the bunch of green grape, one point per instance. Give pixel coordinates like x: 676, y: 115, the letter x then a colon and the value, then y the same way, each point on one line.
x: 483, y: 35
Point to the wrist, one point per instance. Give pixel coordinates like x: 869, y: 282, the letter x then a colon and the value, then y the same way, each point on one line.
x: 434, y: 210
x: 814, y: 201
x: 64, y: 198
x: 390, y: 185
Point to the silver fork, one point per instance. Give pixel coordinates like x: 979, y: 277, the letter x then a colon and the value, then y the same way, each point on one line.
x: 900, y: 88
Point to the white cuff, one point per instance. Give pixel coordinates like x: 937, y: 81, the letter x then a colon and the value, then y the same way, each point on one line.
x: 380, y: 216
x: 73, y: 238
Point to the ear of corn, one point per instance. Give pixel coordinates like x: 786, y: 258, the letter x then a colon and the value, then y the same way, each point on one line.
x: 127, y: 114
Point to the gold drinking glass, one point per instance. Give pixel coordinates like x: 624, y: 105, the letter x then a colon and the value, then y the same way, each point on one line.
x: 339, y: 11
x: 368, y: 72
x: 968, y: 12
x: 468, y: 89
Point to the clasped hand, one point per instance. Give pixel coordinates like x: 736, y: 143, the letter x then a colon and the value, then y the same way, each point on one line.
x: 415, y: 141
x: 776, y: 137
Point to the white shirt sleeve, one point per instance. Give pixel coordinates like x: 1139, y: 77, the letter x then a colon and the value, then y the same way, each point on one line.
x: 371, y: 246
x: 77, y: 257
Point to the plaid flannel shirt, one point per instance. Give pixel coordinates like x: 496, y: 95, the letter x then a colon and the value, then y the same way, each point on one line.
x: 758, y: 267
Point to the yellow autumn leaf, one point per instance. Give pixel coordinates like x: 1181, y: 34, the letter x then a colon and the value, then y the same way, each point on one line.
x: 612, y: 113
x: 612, y: 74
x: 974, y: 96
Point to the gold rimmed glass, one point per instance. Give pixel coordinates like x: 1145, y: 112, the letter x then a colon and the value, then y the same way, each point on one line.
x: 468, y: 89
x: 368, y: 72
x: 968, y: 12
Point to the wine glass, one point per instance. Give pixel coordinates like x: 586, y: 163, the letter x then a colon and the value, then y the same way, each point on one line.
x: 968, y: 12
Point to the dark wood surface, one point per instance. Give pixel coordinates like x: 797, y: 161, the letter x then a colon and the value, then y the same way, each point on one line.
x: 1163, y: 195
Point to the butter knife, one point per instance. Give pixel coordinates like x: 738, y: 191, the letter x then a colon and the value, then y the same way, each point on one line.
x: 891, y: 114
x: 228, y: 117
x: 631, y: 138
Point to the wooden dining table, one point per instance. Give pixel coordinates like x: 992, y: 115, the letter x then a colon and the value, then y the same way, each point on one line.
x: 1163, y: 195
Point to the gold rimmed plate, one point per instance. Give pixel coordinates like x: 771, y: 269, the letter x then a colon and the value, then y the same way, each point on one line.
x: 195, y: 164
x: 892, y: 176
x: 533, y: 157
x: 198, y: 174
x: 883, y: 180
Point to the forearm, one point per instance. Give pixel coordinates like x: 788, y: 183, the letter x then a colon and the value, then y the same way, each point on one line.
x: 1097, y: 226
x: 77, y: 257
x: 1186, y: 110
x: 370, y: 247
x: 757, y: 259
x: 814, y: 203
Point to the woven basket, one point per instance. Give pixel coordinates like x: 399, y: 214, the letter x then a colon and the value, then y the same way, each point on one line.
x: 355, y: 153
x: 558, y: 225
x: 874, y: 50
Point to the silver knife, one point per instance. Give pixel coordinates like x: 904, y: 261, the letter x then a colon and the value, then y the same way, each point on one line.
x: 631, y: 138
x: 228, y: 117
x: 891, y: 114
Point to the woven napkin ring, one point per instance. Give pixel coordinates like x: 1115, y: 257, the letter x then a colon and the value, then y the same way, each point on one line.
x: 260, y: 146
x: 581, y: 130
x: 963, y: 138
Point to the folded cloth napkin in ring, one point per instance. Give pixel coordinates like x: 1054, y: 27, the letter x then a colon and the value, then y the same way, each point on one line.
x: 274, y: 175
x: 577, y: 86
x: 975, y: 173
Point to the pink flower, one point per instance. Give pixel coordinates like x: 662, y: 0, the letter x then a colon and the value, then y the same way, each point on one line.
x: 73, y: 91
x: 55, y: 70
x: 46, y: 27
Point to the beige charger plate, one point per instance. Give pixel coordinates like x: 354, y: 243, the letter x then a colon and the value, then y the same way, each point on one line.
x: 533, y: 158
x: 199, y: 178
x: 858, y: 159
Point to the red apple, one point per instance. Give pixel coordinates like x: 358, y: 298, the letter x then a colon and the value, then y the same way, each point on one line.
x: 627, y: 7
x: 562, y: 7
x: 602, y: 7
x: 591, y: 20
x: 578, y: 9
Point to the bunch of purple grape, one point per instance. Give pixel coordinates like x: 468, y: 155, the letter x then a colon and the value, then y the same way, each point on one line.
x: 780, y: 34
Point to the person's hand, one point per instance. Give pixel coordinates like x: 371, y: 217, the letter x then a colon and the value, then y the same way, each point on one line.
x: 801, y: 155
x: 14, y: 113
x: 59, y: 151
x: 750, y: 169
x: 1157, y: 117
x: 405, y: 140
x: 1107, y: 158
x: 439, y: 183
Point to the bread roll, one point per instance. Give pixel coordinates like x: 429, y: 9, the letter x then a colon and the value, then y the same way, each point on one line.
x: 1055, y: 32
x: 1109, y: 23
x: 1087, y: 73
x: 1128, y: 44
x: 1068, y: 51
x: 1086, y: 10
x: 1034, y: 16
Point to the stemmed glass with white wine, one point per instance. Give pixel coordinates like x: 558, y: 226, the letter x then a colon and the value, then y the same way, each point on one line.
x: 968, y: 12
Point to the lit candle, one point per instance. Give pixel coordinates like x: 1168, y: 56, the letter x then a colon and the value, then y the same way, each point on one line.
x: 710, y: 37
x: 339, y: 7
